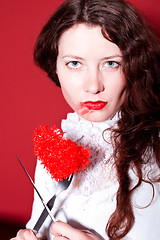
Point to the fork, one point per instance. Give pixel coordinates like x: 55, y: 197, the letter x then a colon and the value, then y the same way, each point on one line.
x: 62, y: 186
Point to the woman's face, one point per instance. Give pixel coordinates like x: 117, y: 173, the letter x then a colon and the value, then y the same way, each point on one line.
x: 89, y: 68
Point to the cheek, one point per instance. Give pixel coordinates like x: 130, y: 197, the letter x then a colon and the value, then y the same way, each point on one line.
x: 121, y: 93
x: 121, y: 85
x: 66, y: 86
x: 65, y: 91
x: 70, y: 83
x: 116, y: 88
x: 69, y: 93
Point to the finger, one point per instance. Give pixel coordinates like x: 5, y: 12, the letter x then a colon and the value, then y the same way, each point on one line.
x: 35, y: 233
x: 25, y: 234
x: 90, y: 235
x: 60, y: 238
x: 63, y: 229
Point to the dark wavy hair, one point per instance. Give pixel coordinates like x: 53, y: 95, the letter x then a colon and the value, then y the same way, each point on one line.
x: 138, y: 129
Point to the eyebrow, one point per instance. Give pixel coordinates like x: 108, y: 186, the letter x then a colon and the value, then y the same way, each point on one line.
x: 80, y: 58
x: 72, y: 56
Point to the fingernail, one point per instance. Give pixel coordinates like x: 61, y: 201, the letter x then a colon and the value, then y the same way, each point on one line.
x: 34, y: 232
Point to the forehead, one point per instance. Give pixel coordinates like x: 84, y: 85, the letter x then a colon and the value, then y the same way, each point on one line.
x: 81, y: 39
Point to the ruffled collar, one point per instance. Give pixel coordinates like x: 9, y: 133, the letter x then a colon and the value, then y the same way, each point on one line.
x: 101, y: 167
x: 76, y: 128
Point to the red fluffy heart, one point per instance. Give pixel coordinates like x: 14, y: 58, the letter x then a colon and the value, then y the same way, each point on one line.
x: 60, y: 156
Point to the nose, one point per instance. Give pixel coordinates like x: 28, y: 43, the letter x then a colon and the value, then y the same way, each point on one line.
x: 93, y: 81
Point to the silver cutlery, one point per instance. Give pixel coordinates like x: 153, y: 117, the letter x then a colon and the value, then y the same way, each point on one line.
x: 44, y: 204
x: 61, y: 186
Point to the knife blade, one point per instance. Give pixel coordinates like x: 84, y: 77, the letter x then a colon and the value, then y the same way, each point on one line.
x: 44, y: 214
x: 47, y: 210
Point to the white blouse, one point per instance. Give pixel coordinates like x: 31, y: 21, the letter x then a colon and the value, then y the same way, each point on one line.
x: 91, y: 198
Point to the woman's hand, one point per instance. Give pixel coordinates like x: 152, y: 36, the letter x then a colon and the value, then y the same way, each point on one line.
x: 63, y: 231
x: 25, y: 234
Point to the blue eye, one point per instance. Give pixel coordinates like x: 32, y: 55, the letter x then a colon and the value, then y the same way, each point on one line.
x: 111, y: 64
x: 74, y: 64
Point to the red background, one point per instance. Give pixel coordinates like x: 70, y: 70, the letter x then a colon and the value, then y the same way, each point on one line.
x: 28, y: 97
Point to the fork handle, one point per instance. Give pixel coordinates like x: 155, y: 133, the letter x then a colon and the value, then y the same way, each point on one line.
x: 44, y: 214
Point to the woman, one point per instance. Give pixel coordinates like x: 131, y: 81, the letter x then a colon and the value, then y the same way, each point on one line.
x: 106, y: 60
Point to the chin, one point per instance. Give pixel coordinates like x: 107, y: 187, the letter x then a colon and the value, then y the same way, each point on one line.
x: 95, y: 117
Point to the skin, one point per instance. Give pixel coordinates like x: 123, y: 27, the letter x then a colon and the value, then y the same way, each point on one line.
x: 25, y: 234
x: 60, y: 230
x: 89, y: 68
x: 63, y: 231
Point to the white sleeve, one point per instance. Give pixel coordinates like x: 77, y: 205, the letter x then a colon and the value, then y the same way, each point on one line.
x: 147, y: 218
x: 46, y: 187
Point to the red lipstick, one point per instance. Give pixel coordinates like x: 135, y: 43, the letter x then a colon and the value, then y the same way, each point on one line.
x: 98, y: 105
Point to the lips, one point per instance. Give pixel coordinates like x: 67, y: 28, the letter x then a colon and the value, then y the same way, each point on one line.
x: 98, y: 105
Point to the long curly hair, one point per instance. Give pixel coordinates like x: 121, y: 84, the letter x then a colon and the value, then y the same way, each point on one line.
x: 137, y: 134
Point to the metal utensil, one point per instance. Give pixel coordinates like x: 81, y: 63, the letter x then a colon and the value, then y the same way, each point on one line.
x: 45, y: 205
x: 63, y: 185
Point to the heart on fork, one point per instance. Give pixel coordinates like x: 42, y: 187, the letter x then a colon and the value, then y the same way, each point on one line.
x: 59, y: 155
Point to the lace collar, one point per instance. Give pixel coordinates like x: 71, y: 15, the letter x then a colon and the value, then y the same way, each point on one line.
x: 101, y: 167
x: 75, y: 128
